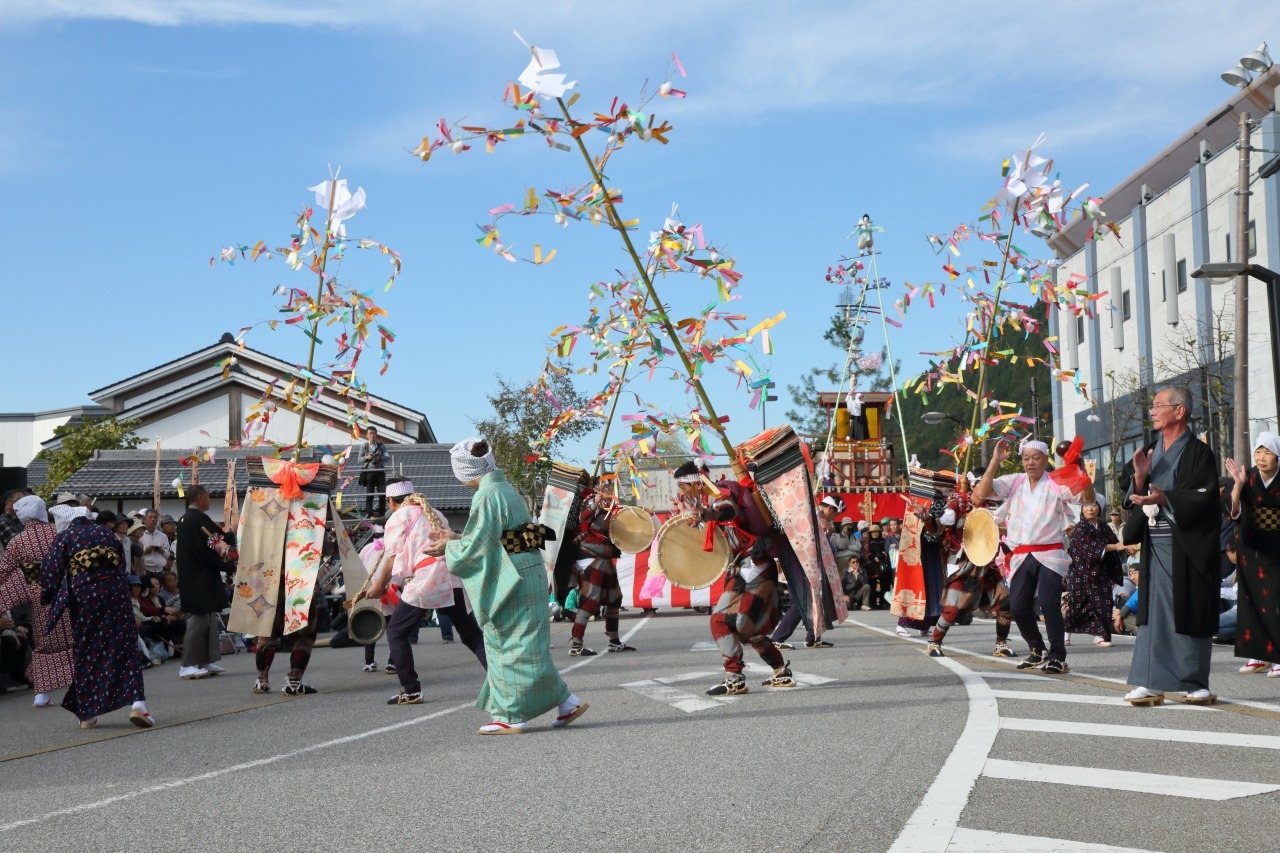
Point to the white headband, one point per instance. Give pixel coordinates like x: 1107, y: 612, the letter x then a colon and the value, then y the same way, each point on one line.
x: 63, y: 515
x: 1032, y: 444
x: 400, y: 489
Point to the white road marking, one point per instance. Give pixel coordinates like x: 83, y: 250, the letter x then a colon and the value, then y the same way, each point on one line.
x: 677, y: 699
x: 982, y: 841
x: 934, y: 821
x: 803, y: 679
x: 625, y: 638
x: 704, y: 646
x: 659, y: 690
x: 1081, y: 699
x: 1124, y: 780
x: 249, y: 765
x: 1014, y: 676
x: 1065, y: 727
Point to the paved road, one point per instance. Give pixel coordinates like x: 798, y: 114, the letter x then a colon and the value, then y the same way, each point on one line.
x: 880, y: 748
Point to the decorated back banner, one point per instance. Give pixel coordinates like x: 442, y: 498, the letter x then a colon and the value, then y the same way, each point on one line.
x: 281, y: 539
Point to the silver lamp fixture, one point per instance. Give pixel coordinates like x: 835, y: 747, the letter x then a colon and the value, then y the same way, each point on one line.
x: 1256, y: 61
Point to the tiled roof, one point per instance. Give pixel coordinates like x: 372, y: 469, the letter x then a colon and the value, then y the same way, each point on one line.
x: 37, y: 470
x: 118, y: 474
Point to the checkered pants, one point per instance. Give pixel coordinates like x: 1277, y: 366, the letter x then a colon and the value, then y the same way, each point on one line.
x: 974, y: 588
x: 598, y: 586
x: 745, y: 614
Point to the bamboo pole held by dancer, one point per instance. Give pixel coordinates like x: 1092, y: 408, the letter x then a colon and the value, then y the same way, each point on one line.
x: 315, y: 324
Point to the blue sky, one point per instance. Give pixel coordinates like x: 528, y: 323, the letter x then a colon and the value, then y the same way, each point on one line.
x: 139, y: 136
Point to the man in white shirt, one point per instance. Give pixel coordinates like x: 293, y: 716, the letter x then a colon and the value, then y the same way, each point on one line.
x: 156, y: 550
x: 1035, y: 513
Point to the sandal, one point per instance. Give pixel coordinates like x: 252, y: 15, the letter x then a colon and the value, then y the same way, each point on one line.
x: 565, y: 719
x: 497, y: 728
x: 89, y: 724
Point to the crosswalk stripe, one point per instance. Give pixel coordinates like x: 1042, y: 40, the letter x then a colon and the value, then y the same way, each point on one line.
x: 982, y: 841
x: 1014, y: 676
x: 1141, y: 733
x: 678, y: 699
x: 807, y: 679
x: 703, y: 646
x: 1124, y: 780
x: 688, y: 676
x: 1034, y: 696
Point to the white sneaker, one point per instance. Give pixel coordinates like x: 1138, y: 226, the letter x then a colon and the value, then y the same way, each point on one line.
x: 866, y: 607
x: 214, y: 669
x: 1143, y: 693
x: 41, y: 700
x: 189, y: 672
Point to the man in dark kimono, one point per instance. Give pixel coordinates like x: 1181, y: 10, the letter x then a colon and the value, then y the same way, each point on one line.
x: 1174, y: 496
x: 204, y: 593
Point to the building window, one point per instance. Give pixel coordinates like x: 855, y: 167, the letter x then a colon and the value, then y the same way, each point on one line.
x: 1124, y: 301
x: 1164, y: 287
x: 1251, y: 239
x: 1182, y: 276
x: 1080, y: 330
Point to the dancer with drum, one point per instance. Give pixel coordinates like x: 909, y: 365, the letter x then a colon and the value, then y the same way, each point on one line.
x: 977, y: 584
x: 597, y: 572
x: 1036, y: 514
x: 748, y: 607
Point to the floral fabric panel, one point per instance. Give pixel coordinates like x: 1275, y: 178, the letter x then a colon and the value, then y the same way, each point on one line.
x: 264, y: 521
x: 791, y: 498
x: 908, y: 583
x: 303, y: 556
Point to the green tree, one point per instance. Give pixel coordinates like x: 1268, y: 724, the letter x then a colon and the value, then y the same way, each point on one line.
x: 808, y: 416
x: 521, y: 414
x: 78, y: 444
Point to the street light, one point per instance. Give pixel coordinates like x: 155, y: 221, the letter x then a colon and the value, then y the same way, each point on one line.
x: 1253, y: 62
x: 1240, y: 273
x: 935, y: 418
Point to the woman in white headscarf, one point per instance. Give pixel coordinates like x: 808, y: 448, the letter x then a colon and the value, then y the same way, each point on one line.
x: 1255, y: 503
x: 498, y: 558
x: 20, y: 584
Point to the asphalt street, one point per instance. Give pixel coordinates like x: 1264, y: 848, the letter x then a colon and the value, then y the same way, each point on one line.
x: 879, y: 748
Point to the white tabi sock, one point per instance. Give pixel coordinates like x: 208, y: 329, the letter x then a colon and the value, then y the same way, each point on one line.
x: 569, y: 704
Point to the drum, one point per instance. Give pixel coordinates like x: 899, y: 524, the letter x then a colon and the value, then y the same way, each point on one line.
x: 632, y: 529
x: 981, y: 537
x: 678, y: 554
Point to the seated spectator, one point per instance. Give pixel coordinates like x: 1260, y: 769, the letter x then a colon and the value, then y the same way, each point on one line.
x: 159, y: 624
x: 15, y: 654
x: 137, y: 554
x: 169, y: 594
x: 857, y: 591
x: 1126, y: 615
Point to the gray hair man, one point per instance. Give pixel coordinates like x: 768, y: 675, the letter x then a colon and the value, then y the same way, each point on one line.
x: 1176, y: 518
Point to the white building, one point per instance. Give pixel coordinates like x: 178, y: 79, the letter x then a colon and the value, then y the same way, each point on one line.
x: 1157, y: 324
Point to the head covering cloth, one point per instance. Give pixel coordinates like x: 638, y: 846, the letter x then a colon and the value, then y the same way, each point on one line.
x: 63, y: 515
x: 31, y: 508
x: 1033, y: 444
x: 1266, y: 440
x: 468, y: 467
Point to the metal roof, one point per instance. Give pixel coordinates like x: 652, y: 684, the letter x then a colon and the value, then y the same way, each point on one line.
x: 121, y: 474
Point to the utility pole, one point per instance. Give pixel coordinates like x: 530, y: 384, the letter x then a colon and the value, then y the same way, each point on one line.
x: 1241, y: 389
x: 1035, y: 411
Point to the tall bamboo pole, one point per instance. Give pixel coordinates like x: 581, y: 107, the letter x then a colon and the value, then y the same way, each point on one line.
x: 616, y: 221
x: 315, y: 324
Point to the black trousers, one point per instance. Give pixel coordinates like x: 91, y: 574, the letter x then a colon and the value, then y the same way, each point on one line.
x: 406, y: 618
x: 1034, y: 583
x: 375, y: 482
x: 788, y: 624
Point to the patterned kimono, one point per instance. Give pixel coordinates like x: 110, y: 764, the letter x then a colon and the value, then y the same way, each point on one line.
x: 1258, y: 570
x: 1094, y: 570
x: 83, y: 576
x: 508, y: 594
x: 20, y: 584
x: 971, y: 587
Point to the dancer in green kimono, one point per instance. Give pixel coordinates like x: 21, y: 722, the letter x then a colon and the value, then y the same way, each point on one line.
x: 497, y: 558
